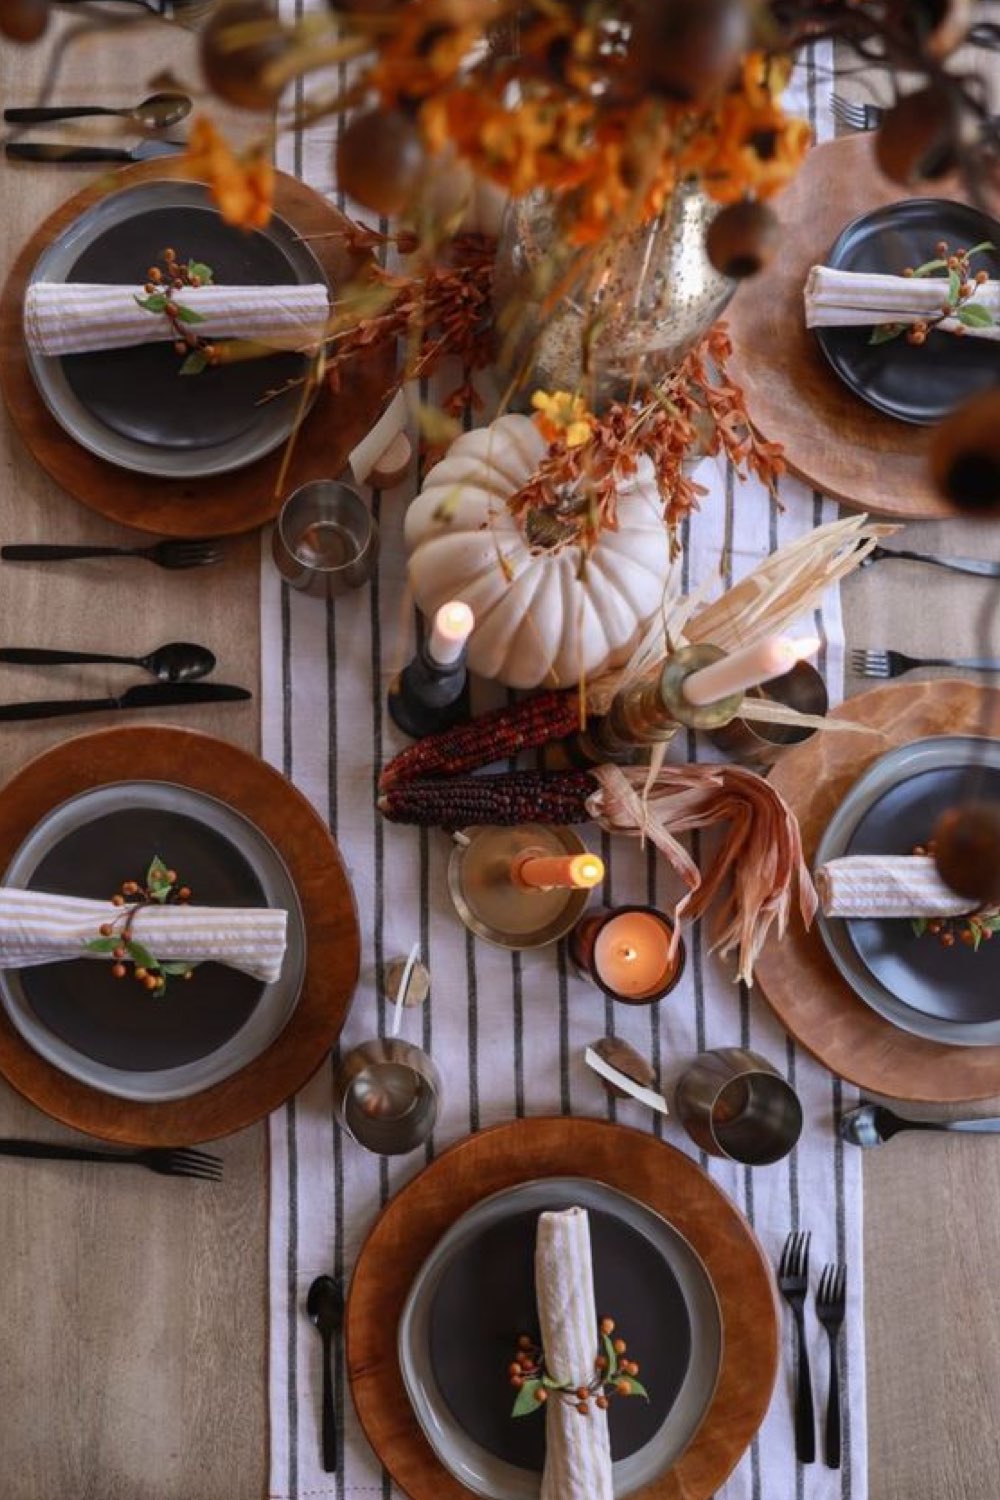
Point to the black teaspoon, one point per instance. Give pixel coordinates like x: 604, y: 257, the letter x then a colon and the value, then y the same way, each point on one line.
x: 178, y: 661
x: 325, y: 1306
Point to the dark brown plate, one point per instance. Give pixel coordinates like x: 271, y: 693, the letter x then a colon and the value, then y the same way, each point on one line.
x: 954, y: 984
x: 138, y: 392
x: 160, y: 753
x: 488, y: 1291
x: 113, y: 1022
x: 910, y: 383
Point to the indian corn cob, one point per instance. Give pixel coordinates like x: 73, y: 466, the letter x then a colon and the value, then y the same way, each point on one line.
x: 493, y: 736
x: 556, y: 797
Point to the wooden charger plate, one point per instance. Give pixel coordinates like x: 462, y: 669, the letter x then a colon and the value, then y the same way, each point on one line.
x: 224, y: 504
x: 833, y: 439
x: 657, y: 1175
x: 797, y: 975
x: 157, y: 753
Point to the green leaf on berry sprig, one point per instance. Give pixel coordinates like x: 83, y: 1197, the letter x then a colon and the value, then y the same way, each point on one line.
x: 526, y: 1401
x: 158, y: 881
x: 635, y: 1387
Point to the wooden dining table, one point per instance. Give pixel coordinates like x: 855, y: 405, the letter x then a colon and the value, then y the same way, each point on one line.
x: 133, y: 1306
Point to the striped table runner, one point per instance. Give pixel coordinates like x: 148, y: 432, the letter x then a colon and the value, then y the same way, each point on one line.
x: 508, y: 1030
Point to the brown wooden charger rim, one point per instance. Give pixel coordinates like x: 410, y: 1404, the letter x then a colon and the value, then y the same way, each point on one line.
x: 797, y: 977
x: 224, y: 504
x: 519, y: 1151
x: 158, y: 752
x: 832, y: 439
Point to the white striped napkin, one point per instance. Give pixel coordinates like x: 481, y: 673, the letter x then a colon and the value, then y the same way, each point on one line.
x: 886, y: 885
x: 577, y: 1446
x: 845, y: 299
x: 38, y: 928
x: 79, y: 317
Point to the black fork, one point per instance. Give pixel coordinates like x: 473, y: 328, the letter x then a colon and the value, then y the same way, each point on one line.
x: 831, y: 1302
x: 793, y: 1281
x: 180, y: 1161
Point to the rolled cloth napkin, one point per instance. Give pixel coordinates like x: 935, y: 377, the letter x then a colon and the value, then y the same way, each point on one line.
x: 78, y: 317
x: 577, y: 1446
x: 844, y: 299
x: 37, y: 928
x: 887, y: 885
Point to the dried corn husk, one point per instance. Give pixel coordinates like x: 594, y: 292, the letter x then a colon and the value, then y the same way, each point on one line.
x: 752, y: 878
x: 780, y: 590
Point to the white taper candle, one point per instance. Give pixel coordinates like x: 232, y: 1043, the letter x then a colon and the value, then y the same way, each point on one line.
x: 451, y: 628
x: 771, y: 657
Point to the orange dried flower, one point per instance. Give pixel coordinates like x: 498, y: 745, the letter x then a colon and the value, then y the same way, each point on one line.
x: 242, y: 186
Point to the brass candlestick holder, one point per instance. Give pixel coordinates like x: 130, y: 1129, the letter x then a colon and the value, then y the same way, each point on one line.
x: 649, y: 713
x: 489, y: 900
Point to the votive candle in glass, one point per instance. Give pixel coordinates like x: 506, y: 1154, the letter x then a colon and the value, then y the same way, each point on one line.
x: 628, y: 952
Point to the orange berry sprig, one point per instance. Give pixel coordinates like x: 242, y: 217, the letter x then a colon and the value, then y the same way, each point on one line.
x: 614, y: 1375
x: 971, y: 931
x: 115, y: 937
x: 160, y: 287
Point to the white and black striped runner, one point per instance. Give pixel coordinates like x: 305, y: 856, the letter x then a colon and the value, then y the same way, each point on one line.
x: 508, y: 1031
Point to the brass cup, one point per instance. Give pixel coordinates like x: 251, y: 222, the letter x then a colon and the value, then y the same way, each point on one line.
x: 733, y: 1103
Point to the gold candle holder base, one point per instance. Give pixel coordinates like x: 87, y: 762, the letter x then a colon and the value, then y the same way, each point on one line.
x: 682, y: 664
x: 489, y: 902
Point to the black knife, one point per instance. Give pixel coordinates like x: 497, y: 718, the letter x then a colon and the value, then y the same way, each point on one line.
x: 144, y: 695
x: 50, y: 151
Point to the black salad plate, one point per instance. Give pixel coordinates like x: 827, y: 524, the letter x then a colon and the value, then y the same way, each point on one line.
x: 949, y: 995
x: 112, y: 1033
x: 955, y: 984
x: 475, y: 1295
x: 488, y: 1292
x: 914, y: 384
x: 131, y: 406
x: 137, y: 392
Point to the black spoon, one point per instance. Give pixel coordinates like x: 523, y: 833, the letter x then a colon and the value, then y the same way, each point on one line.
x: 325, y: 1306
x: 179, y: 661
x: 155, y: 113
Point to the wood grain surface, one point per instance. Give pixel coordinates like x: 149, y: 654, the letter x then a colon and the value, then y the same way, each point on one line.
x: 797, y: 975
x: 832, y: 438
x: 636, y: 1163
x: 226, y: 503
x: 333, y: 942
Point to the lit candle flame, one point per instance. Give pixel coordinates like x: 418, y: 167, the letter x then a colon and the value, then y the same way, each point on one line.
x: 561, y: 871
x: 629, y: 955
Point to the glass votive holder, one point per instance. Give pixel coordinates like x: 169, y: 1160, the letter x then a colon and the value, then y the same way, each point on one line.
x: 733, y: 1103
x: 755, y: 743
x: 626, y: 952
x: 386, y: 1094
x: 325, y: 541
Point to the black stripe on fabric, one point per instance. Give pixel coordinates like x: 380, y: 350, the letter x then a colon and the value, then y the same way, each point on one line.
x: 748, y: 1198
x: 427, y: 1037
x: 655, y: 1048
x: 470, y: 969
x: 811, y: 86
x: 293, y: 1301
x: 693, y: 937
x: 286, y: 681
x: 339, y: 1369
x: 565, y: 1095
x: 517, y: 1001
x: 837, y: 1100
x: 332, y: 723
x: 611, y: 1103
x: 292, y: 1251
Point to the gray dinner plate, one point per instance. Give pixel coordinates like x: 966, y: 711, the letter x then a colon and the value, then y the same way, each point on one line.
x: 474, y: 1295
x: 946, y: 995
x: 131, y: 406
x: 110, y: 1033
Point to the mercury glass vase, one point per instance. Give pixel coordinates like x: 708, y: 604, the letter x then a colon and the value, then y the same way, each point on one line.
x: 608, y: 321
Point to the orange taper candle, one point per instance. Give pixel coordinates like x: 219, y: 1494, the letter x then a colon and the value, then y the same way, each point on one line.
x: 557, y: 871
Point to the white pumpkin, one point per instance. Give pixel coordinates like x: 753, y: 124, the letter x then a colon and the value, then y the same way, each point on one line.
x: 537, y: 621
